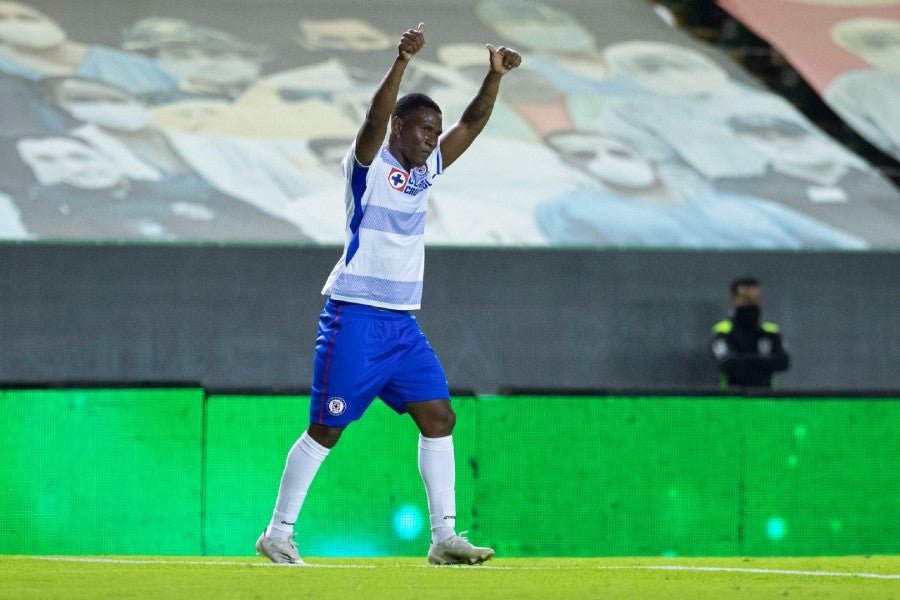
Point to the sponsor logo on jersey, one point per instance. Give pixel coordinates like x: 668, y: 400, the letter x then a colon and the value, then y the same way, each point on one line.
x: 409, y: 183
x: 336, y: 406
x: 397, y: 179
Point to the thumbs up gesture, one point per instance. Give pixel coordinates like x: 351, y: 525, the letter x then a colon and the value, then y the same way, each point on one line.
x: 411, y: 42
x: 503, y: 59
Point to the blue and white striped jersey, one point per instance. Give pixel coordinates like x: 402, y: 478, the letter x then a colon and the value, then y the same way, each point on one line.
x: 384, y: 252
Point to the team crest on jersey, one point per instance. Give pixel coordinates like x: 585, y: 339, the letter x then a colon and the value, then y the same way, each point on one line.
x: 418, y: 180
x: 397, y: 178
x: 336, y: 406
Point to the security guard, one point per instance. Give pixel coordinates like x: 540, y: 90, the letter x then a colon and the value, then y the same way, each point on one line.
x: 747, y: 350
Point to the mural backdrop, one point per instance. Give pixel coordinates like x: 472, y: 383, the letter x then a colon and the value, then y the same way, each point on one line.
x: 225, y: 122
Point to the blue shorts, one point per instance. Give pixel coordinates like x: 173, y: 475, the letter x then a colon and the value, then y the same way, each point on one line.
x: 362, y: 353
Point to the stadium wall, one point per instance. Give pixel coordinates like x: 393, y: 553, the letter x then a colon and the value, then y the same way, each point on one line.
x: 178, y: 472
x: 228, y: 318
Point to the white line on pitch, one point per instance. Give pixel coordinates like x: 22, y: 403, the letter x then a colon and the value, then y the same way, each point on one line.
x: 137, y: 561
x: 148, y: 561
x: 753, y: 570
x: 130, y: 561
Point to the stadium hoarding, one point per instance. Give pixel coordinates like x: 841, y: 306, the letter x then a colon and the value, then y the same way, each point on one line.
x: 627, y: 475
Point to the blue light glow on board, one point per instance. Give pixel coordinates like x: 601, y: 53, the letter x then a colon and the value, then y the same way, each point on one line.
x: 776, y: 528
x: 408, y: 522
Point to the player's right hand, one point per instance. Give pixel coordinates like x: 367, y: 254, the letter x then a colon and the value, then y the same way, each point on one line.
x: 411, y: 42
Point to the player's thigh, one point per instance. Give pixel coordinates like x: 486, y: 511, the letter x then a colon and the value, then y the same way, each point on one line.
x: 418, y: 377
x: 349, y: 368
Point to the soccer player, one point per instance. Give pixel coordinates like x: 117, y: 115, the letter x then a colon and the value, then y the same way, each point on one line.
x: 369, y: 344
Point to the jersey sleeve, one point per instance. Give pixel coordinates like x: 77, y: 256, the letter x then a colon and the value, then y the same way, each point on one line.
x: 435, y: 162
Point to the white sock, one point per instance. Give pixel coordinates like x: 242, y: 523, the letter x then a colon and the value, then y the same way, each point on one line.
x: 303, y: 461
x: 438, y: 469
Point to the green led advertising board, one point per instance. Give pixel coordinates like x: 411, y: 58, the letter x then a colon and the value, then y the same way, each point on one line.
x: 178, y: 472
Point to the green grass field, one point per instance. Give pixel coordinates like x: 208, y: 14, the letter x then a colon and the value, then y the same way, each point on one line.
x: 196, y: 578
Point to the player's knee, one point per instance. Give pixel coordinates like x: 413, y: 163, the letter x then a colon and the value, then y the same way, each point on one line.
x: 442, y: 422
x: 325, y: 435
x: 449, y: 420
x: 434, y: 418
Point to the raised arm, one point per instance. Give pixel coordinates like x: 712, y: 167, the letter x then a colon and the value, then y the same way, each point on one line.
x: 455, y: 140
x: 371, y: 134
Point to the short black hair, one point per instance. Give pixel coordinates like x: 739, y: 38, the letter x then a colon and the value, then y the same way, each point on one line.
x: 414, y: 101
x: 743, y: 281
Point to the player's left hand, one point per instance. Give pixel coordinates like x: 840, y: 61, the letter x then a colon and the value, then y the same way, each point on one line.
x: 503, y: 59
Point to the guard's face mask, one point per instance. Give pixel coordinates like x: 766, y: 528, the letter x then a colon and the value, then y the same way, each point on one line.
x: 747, y: 316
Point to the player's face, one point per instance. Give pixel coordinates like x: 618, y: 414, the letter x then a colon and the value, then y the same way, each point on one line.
x: 61, y: 160
x: 607, y: 159
x: 677, y: 72
x: 189, y: 115
x: 795, y: 147
x: 528, y: 86
x: 27, y: 28
x: 882, y: 48
x: 350, y: 35
x: 100, y: 104
x: 417, y: 135
x: 215, y: 67
x: 536, y: 26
